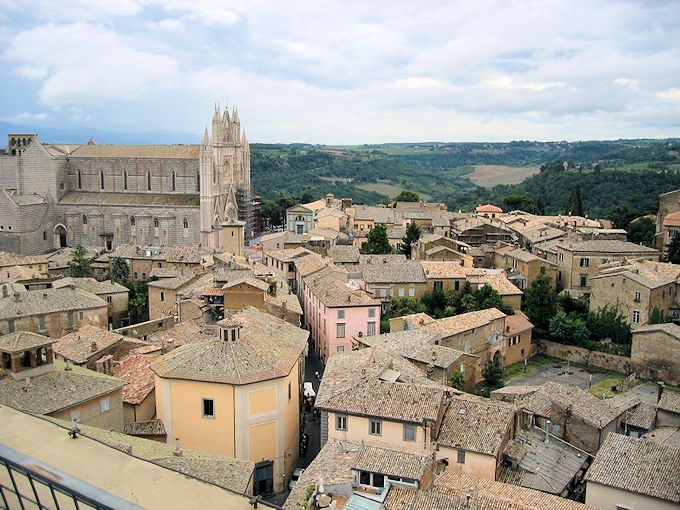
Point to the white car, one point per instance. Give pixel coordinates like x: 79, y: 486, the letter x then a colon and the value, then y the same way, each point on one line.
x: 296, y: 476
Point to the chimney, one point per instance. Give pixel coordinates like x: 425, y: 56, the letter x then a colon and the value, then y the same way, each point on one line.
x: 659, y: 390
x: 178, y: 451
x: 93, y: 346
x: 547, y: 434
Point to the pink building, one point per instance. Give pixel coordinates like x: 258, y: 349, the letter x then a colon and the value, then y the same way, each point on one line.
x: 334, y: 313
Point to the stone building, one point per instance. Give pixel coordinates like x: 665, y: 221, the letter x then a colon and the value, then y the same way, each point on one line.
x: 654, y: 352
x: 53, y: 196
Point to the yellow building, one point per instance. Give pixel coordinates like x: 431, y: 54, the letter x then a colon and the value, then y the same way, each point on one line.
x: 238, y: 394
x: 524, y: 267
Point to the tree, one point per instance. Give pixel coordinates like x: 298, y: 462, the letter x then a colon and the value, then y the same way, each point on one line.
x: 80, y: 266
x: 458, y: 379
x: 673, y: 251
x: 120, y: 271
x: 574, y: 204
x: 657, y: 316
x: 488, y: 297
x: 608, y: 322
x: 376, y: 241
x: 407, y: 196
x: 568, y: 330
x: 138, y: 302
x: 641, y: 230
x: 521, y: 203
x: 493, y: 373
x: 540, y: 302
x: 412, y: 235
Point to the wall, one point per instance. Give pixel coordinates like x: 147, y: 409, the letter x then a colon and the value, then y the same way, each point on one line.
x: 56, y: 324
x: 141, y: 412
x: 476, y: 464
x: 161, y: 308
x: 520, y: 351
x: 608, y: 498
x: 392, y: 431
x: 91, y: 413
x: 658, y: 353
x: 144, y: 329
x: 583, y: 356
x: 241, y: 295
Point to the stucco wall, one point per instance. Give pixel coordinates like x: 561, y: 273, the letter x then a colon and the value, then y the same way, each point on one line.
x: 91, y: 413
x: 358, y: 430
x: 476, y: 464
x: 608, y: 498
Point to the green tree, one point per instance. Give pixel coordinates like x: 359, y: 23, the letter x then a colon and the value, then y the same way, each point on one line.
x: 574, y: 204
x: 412, y: 235
x: 521, y: 203
x: 488, y: 297
x: 435, y: 303
x: 407, y: 196
x: 657, y: 316
x: 493, y: 373
x: 608, y: 322
x: 673, y: 250
x: 138, y: 301
x: 376, y: 241
x: 568, y: 330
x: 642, y: 230
x: 458, y: 379
x: 120, y: 271
x: 80, y: 264
x: 540, y: 302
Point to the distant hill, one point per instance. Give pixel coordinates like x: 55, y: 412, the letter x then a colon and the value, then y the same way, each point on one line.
x: 76, y: 135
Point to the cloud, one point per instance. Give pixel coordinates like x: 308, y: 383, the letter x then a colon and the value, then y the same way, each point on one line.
x: 28, y: 117
x: 670, y: 94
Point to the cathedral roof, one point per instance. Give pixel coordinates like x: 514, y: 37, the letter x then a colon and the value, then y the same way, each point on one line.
x: 138, y: 151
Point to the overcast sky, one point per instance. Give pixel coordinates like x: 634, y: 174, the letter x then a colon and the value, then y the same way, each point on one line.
x: 347, y: 71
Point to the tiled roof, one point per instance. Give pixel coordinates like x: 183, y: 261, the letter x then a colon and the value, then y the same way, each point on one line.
x: 589, y: 408
x: 88, y: 341
x: 672, y: 219
x: 188, y: 254
x: 443, y: 269
x: 310, y: 264
x: 186, y: 332
x: 352, y: 384
x: 164, y: 272
x: 20, y: 341
x: 40, y: 302
x: 391, y: 269
x: 137, y: 151
x: 164, y: 200
x: 377, y: 214
x: 173, y: 283
x: 12, y: 259
x: 63, y: 256
x: 56, y: 390
x: 227, y: 472
x: 667, y: 327
x: 496, y: 281
x: 450, y: 326
x: 267, y: 348
x: 637, y: 465
x: 477, y: 425
x: 134, y: 369
x: 333, y: 293
x: 145, y: 428
x: 390, y: 462
x: 608, y: 246
x: 670, y: 401
x: 643, y: 416
x: 288, y: 255
x: 253, y: 282
x: 670, y: 270
x: 516, y: 324
x: 488, y: 208
x: 90, y: 285
x: 644, y: 275
x: 342, y: 254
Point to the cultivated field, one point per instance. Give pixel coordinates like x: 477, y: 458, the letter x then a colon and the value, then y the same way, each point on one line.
x: 489, y: 176
x: 389, y: 189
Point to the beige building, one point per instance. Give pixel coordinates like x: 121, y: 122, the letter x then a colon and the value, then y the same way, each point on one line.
x: 35, y: 265
x: 387, y: 276
x: 115, y: 294
x: 52, y: 312
x: 634, y: 474
x: 238, y: 394
x: 89, y: 344
x: 655, y: 352
x: 139, y: 397
x: 635, y: 290
x: 273, y: 297
x: 523, y: 267
x: 30, y: 381
x: 579, y: 262
x: 441, y: 248
x: 517, y: 332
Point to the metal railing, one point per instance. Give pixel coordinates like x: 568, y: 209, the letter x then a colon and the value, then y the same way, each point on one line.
x: 27, y: 483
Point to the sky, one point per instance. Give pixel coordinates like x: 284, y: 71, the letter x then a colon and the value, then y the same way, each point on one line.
x: 346, y: 72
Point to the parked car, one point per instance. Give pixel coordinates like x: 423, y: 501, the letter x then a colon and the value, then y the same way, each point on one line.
x: 296, y: 476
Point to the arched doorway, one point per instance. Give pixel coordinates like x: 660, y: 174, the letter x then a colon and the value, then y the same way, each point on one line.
x: 60, y: 236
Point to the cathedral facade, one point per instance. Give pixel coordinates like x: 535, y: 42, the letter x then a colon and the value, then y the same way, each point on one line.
x: 57, y: 195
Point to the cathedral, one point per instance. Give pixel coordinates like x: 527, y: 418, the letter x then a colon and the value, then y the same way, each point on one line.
x: 58, y: 195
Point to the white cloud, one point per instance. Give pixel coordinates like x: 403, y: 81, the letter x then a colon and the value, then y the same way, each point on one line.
x: 628, y: 83
x: 418, y: 82
x: 670, y: 94
x: 206, y: 12
x: 28, y: 117
x: 31, y: 72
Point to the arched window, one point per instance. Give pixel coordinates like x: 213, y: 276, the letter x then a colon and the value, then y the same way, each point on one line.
x: 214, y: 174
x: 132, y: 221
x: 125, y: 180
x: 148, y: 181
x: 198, y: 182
x: 84, y: 220
x: 185, y: 223
x: 44, y: 235
x: 101, y: 179
x: 174, y: 181
x: 155, y: 223
x: 80, y: 180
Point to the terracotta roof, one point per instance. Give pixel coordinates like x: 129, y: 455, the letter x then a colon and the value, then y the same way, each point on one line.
x: 516, y: 324
x: 96, y: 198
x: 637, y: 465
x: 334, y: 293
x: 91, y: 285
x: 612, y: 247
x: 20, y: 341
x: 145, y: 428
x: 496, y: 281
x: 267, y: 348
x: 672, y: 220
x: 41, y: 302
x: 252, y: 282
x: 642, y: 417
x: 450, y: 326
x: 390, y: 462
x: 477, y: 425
x: 288, y: 255
x: 342, y: 254
x: 173, y: 283
x: 670, y: 401
x: 488, y: 208
x: 13, y: 259
x: 86, y: 342
x: 443, y: 269
x: 310, y: 264
x: 671, y: 270
x: 137, y: 151
x: 391, y: 269
x: 134, y: 369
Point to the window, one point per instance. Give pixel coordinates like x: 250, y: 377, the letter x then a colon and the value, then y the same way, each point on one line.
x: 80, y: 180
x: 125, y: 180
x: 81, y: 315
x: 162, y: 296
x: 370, y: 329
x: 637, y: 297
x: 84, y: 220
x: 155, y: 223
x: 383, y: 293
x: 584, y: 262
x: 132, y: 221
x: 636, y: 317
x: 44, y: 235
x: 198, y: 182
x: 461, y: 457
x: 371, y: 312
x: 340, y: 348
x: 10, y: 325
x: 560, y: 257
x: 456, y: 285
x: 341, y: 314
x: 174, y: 182
x: 109, y: 299
x: 364, y: 478
x: 438, y: 286
x: 375, y: 427
x: 340, y: 422
x: 101, y: 179
x: 514, y: 340
x: 402, y: 292
x: 290, y: 392
x: 148, y: 181
x: 411, y: 292
x: 75, y: 415
x: 409, y: 432
x: 584, y: 280
x: 104, y: 405
x: 340, y: 331
x: 208, y: 408
x: 559, y: 276
x: 185, y: 223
